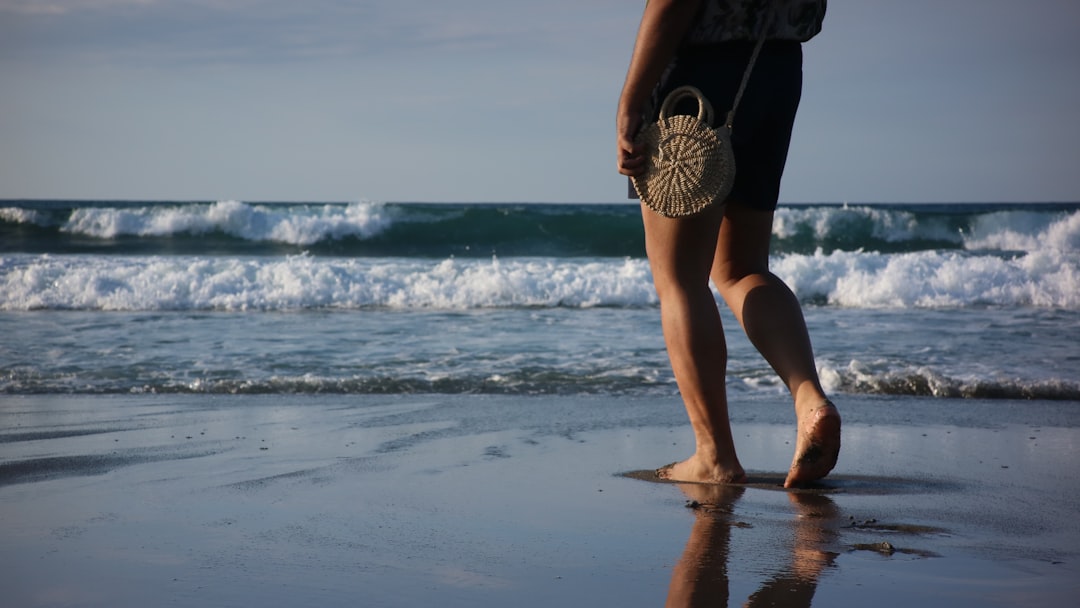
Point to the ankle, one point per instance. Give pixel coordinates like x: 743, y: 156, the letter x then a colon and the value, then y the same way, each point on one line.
x: 809, y: 396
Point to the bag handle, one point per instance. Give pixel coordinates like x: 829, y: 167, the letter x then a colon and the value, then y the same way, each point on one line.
x: 705, y: 111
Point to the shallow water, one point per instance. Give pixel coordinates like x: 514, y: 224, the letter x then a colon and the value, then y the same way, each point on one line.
x: 953, y: 301
x: 989, y: 353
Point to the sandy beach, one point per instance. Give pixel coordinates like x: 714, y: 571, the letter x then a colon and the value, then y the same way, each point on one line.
x: 507, y: 500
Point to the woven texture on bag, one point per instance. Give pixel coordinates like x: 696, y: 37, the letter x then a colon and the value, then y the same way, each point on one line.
x: 689, y: 164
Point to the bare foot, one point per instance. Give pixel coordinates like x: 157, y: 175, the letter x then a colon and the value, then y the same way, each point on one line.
x: 817, y: 446
x: 698, y: 470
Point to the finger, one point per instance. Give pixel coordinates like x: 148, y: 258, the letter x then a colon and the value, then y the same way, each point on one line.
x: 631, y: 166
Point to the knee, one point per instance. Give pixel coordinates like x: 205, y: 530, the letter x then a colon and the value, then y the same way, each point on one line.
x: 677, y: 280
x: 671, y: 289
x: 680, y: 291
x: 733, y: 274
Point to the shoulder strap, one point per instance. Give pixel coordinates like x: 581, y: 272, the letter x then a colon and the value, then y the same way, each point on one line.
x: 749, y: 68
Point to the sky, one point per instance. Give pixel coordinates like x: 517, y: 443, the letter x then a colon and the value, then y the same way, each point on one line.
x: 507, y: 101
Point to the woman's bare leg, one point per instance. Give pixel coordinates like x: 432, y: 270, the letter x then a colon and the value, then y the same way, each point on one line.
x: 772, y: 318
x: 680, y: 255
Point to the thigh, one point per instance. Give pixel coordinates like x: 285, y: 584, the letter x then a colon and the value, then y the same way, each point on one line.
x: 681, y: 250
x: 742, y: 246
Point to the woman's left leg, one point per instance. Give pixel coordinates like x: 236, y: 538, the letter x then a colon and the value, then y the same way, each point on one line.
x: 681, y: 256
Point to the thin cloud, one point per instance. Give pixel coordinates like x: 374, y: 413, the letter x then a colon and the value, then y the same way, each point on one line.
x: 270, y: 31
x: 61, y: 7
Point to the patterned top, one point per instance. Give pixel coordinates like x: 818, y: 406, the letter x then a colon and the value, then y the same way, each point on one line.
x: 728, y: 20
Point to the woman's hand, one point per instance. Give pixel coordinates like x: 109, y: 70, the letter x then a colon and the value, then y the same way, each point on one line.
x: 631, y: 155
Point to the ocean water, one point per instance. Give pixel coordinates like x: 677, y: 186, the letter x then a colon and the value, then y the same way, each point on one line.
x: 953, y: 301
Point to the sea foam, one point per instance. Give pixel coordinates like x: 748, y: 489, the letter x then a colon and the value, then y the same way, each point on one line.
x: 366, y: 229
x: 860, y: 223
x: 948, y: 279
x: 1024, y: 231
x: 932, y: 279
x: 301, y: 282
x: 293, y: 225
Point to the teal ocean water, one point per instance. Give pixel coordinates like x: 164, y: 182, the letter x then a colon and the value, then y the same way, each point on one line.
x: 954, y: 301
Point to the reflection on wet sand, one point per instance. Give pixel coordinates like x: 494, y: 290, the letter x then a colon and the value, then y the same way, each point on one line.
x: 700, y: 578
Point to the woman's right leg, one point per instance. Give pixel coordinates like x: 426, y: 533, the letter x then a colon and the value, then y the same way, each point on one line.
x: 772, y: 318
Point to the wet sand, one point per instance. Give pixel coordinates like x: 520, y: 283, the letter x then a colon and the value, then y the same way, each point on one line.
x: 526, y: 501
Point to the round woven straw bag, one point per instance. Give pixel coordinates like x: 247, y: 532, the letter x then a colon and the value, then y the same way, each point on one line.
x: 690, y: 165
